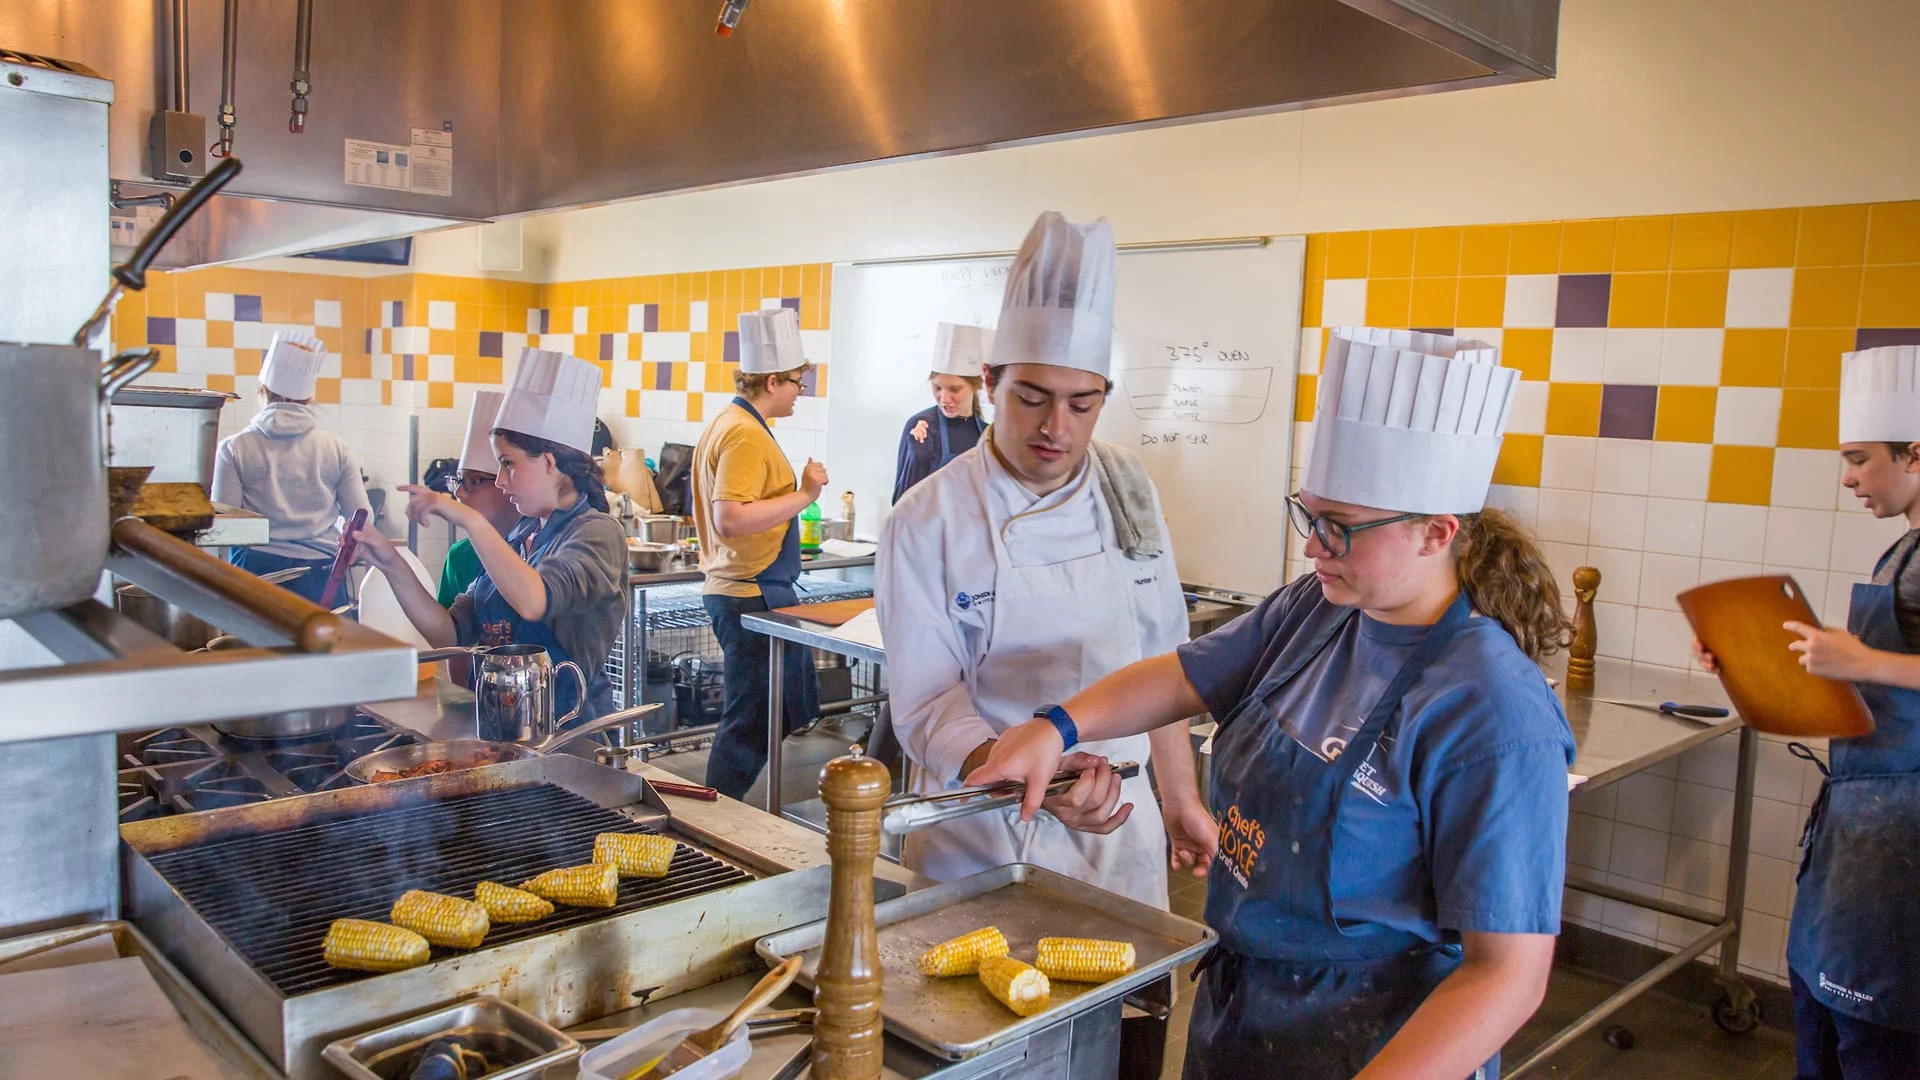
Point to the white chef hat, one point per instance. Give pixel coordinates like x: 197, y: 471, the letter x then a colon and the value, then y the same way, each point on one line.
x: 961, y: 350
x: 477, y: 455
x: 1408, y: 421
x: 770, y: 341
x: 1058, y: 307
x: 293, y: 364
x: 1880, y: 395
x: 552, y: 398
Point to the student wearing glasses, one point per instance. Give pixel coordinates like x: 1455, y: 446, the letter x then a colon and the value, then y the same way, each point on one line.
x: 1390, y: 769
x: 474, y: 485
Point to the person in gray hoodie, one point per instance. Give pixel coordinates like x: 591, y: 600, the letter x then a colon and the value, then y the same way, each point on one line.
x: 284, y: 467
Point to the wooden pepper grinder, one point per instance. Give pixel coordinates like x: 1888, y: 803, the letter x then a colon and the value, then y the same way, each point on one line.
x: 847, y: 1034
x: 1586, y: 634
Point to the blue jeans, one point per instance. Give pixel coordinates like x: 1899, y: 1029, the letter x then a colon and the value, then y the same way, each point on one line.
x: 740, y: 746
x: 308, y: 585
x: 1829, y: 1045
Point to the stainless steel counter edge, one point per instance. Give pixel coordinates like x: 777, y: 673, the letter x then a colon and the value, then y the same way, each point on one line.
x: 637, y: 580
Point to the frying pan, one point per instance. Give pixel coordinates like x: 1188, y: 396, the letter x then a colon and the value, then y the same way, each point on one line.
x: 474, y: 753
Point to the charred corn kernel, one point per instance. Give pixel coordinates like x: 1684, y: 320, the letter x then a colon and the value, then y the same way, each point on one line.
x: 373, y: 946
x: 962, y: 955
x: 1074, y: 959
x: 636, y: 854
x: 592, y: 885
x: 442, y: 920
x: 506, y: 904
x: 1018, y: 986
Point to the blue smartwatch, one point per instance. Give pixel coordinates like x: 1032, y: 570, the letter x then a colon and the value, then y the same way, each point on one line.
x: 1057, y: 716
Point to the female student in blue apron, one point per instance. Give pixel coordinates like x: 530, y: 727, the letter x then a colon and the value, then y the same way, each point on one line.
x: 555, y: 581
x: 953, y: 425
x: 1853, y: 947
x: 1390, y: 770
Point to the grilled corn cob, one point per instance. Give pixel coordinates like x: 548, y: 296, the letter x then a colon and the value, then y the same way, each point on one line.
x: 592, y: 885
x: 373, y: 946
x: 962, y: 955
x: 1019, y: 987
x: 506, y: 904
x: 1072, y: 959
x: 636, y: 854
x: 442, y: 920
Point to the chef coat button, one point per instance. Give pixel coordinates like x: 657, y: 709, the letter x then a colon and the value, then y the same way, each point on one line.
x: 1296, y: 847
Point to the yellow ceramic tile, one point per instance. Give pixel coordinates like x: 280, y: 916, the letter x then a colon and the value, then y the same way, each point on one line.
x: 755, y: 286
x: 1685, y: 413
x: 820, y: 380
x: 1813, y: 357
x: 1388, y: 302
x: 633, y: 403
x: 790, y: 279
x: 130, y: 321
x: 1697, y: 298
x: 1436, y: 252
x: 1305, y: 389
x: 1754, y: 358
x: 1573, y: 409
x: 1347, y: 254
x: 677, y: 376
x: 1825, y: 296
x: 356, y: 367
x: 1638, y: 300
x: 1534, y: 248
x: 168, y: 362
x: 1643, y: 243
x: 699, y: 286
x: 1528, y: 351
x: 248, y: 361
x: 1741, y: 474
x: 493, y: 317
x: 600, y: 319
x: 160, y: 295
x: 1316, y: 256
x: 332, y: 337
x: 1311, y: 296
x: 1764, y: 238
x: 560, y: 319
x: 720, y: 377
x: 1702, y: 241
x: 561, y: 294
x: 1519, y: 463
x: 1390, y: 253
x: 189, y: 298
x: 1810, y: 419
x: 442, y: 342
x: 439, y: 395
x: 386, y: 392
x: 634, y: 346
x: 326, y: 391
x: 1890, y: 296
x: 479, y: 370
x: 1434, y: 302
x: 649, y: 290
x: 1893, y: 232
x: 1586, y: 247
x: 1832, y: 236
x: 696, y: 408
x: 826, y: 295
x: 219, y: 334
x: 466, y: 316
x: 1483, y: 249
x: 1483, y: 301
x: 222, y: 383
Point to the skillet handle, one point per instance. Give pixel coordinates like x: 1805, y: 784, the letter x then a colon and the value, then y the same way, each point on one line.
x: 613, y: 719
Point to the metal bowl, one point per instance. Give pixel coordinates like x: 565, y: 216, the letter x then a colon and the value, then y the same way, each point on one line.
x: 649, y: 558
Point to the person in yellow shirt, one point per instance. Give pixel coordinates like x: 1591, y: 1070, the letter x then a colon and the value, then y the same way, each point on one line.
x: 746, y: 501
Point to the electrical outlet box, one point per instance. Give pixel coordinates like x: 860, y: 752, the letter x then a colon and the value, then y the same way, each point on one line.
x: 177, y: 147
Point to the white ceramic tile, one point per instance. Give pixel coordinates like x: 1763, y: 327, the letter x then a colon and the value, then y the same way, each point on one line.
x: 511, y: 346
x: 696, y: 317
x: 1770, y: 885
x: 1736, y: 532
x: 1568, y: 461
x: 1675, y: 526
x: 1622, y: 466
x: 1600, y: 802
x: 1579, y: 355
x: 406, y: 339
x: 1619, y: 521
x: 771, y: 303
x: 1662, y: 577
x: 810, y: 414
x: 1776, y: 828
x: 1839, y: 598
x: 1763, y: 938
x: 1619, y: 572
x: 1723, y: 570
x: 192, y: 334
x: 580, y: 319
x: 1691, y: 357
x: 1532, y: 299
x: 1528, y: 415
x: 1344, y: 303
x: 1778, y: 774
x: 1697, y: 867
x: 1747, y: 416
x: 621, y: 343
x: 220, y: 306
x: 1492, y: 335
x: 1628, y: 920
x: 1805, y: 478
x: 1563, y: 560
x: 663, y: 404
x: 440, y: 315
x: 1583, y: 909
x: 1860, y: 539
x: 1680, y: 470
x: 1709, y: 765
x: 1646, y: 801
x: 817, y: 346
x: 1662, y: 637
x: 1676, y: 932
x: 1632, y: 356
x: 1614, y: 624
x: 330, y: 367
x: 666, y: 347
x: 1520, y: 503
x: 440, y: 368
x: 326, y: 313
x: 1589, y: 841
x: 1565, y: 516
x: 1812, y: 582
x: 1759, y: 297
x: 1799, y: 538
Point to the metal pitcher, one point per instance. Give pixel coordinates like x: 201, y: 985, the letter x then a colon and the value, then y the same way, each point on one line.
x: 513, y: 693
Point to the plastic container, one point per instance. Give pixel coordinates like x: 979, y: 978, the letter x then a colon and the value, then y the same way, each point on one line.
x: 656, y: 1038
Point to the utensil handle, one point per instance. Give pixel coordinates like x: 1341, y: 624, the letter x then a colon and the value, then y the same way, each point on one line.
x: 613, y: 719
x: 579, y: 699
x: 313, y: 629
x: 1697, y: 712
x: 685, y: 791
x: 343, y: 558
x: 769, y: 987
x: 133, y: 272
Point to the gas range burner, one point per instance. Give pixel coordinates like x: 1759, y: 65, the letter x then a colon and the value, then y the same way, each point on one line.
x: 174, y: 745
x: 181, y: 770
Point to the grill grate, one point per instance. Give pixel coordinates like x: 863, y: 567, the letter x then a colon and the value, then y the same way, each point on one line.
x: 272, y: 896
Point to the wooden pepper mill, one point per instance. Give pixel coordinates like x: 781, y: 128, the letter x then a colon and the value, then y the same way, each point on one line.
x: 1586, y: 634
x: 847, y: 1034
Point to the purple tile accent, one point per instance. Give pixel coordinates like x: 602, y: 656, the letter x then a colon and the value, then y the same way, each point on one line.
x: 730, y: 350
x: 790, y: 302
x: 246, y: 308
x: 369, y: 341
x: 160, y: 331
x: 606, y: 346
x: 663, y: 376
x: 546, y: 320
x: 399, y: 313
x: 1583, y: 300
x: 406, y: 366
x: 810, y: 383
x: 1627, y: 410
x: 650, y: 321
x: 490, y: 344
x: 1863, y: 339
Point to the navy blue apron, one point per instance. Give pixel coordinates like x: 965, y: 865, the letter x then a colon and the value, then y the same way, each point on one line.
x: 1289, y: 988
x: 499, y: 624
x: 1855, y: 935
x: 946, y: 446
x: 778, y: 579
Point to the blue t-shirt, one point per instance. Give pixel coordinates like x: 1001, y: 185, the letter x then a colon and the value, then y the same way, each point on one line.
x: 1458, y: 820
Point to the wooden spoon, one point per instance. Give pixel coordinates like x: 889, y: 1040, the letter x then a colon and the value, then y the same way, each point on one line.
x: 701, y: 1043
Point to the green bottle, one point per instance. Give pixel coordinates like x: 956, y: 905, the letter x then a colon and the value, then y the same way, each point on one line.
x: 810, y: 530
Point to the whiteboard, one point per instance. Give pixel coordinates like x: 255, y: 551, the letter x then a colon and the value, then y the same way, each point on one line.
x: 1206, y: 350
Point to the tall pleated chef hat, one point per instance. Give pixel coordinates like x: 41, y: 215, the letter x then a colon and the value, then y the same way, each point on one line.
x: 552, y: 397
x: 1880, y: 395
x: 961, y: 350
x: 477, y: 455
x: 1408, y: 421
x: 770, y: 341
x: 293, y: 364
x: 1058, y: 307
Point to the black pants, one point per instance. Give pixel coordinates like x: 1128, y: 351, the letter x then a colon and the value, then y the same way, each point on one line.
x: 740, y: 746
x: 1829, y: 1045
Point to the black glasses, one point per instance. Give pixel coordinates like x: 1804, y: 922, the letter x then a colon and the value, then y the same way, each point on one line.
x: 460, y: 482
x: 1335, y: 536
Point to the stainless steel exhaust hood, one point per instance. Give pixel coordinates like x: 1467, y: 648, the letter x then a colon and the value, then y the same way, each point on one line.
x: 557, y: 103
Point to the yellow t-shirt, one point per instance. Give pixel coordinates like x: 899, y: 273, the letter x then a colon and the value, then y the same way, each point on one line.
x: 737, y: 461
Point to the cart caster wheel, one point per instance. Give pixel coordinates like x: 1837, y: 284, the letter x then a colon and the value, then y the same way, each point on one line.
x: 1736, y: 1021
x: 1618, y: 1037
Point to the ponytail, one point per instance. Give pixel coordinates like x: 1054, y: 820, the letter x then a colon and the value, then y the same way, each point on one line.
x: 584, y: 473
x: 1505, y: 576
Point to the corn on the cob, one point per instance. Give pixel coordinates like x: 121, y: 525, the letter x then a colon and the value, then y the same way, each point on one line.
x: 442, y: 920
x: 372, y: 946
x: 1019, y: 987
x: 635, y: 854
x: 506, y: 904
x: 592, y: 885
x: 962, y: 955
x: 1072, y: 959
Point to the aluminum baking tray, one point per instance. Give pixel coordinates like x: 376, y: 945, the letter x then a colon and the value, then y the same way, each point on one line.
x: 957, y: 1018
x: 526, y: 1046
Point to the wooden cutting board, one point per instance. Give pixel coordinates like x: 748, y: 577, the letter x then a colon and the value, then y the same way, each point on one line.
x: 1739, y: 621
x: 831, y: 613
x: 105, y: 1021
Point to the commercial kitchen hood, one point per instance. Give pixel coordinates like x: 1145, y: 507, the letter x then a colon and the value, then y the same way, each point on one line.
x: 549, y: 104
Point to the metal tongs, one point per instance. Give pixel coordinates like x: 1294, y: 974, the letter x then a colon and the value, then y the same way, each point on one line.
x: 911, y: 813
